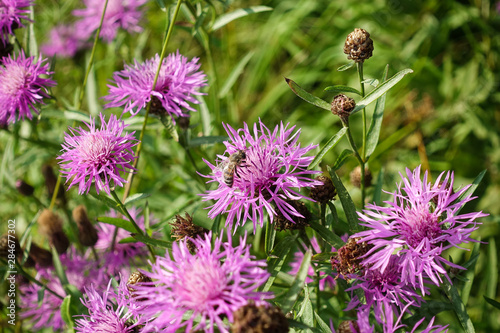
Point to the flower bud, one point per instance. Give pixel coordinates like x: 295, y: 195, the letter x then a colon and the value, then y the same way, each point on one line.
x: 342, y: 106
x: 50, y: 225
x: 282, y: 223
x: 183, y: 122
x: 87, y: 234
x: 358, y: 45
x: 24, y: 188
x: 349, y: 257
x: 323, y: 193
x: 136, y: 278
x: 259, y: 319
x: 184, y: 227
x: 40, y: 256
x: 355, y: 176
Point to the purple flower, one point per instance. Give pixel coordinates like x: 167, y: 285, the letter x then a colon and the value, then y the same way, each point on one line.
x: 109, y: 311
x: 97, y: 155
x: 124, y: 253
x: 123, y: 14
x: 177, y: 84
x: 11, y: 14
x: 421, y: 221
x: 22, y: 86
x: 80, y: 272
x: 311, y: 275
x: 202, y: 288
x: 274, y: 170
x: 62, y: 42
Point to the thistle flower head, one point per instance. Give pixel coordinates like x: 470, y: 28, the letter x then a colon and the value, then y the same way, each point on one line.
x: 22, y: 86
x: 209, y: 286
x: 11, y: 14
x: 97, y: 155
x: 178, y: 82
x: 62, y: 42
x: 274, y: 170
x: 124, y: 14
x: 419, y: 223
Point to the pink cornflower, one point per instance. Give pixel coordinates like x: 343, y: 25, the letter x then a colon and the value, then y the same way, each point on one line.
x: 123, y: 14
x: 202, y: 288
x: 421, y: 221
x: 178, y: 82
x: 22, y: 86
x: 97, y: 155
x: 11, y: 14
x: 109, y: 311
x: 62, y: 42
x: 273, y: 170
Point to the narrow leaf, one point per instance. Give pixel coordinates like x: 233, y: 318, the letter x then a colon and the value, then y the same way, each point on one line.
x: 329, y: 145
x: 152, y: 241
x: 105, y: 200
x: 306, y: 313
x: 136, y: 197
x: 316, y: 101
x: 346, y: 153
x: 118, y: 222
x: 472, y: 188
x: 380, y: 90
x: 492, y: 302
x: 377, y: 190
x: 469, y: 273
x: 345, y: 67
x: 458, y: 306
x: 324, y: 328
x: 207, y: 140
x: 342, y: 89
x: 224, y: 19
x: 324, y: 256
x: 298, y: 284
x: 347, y: 203
x: 65, y: 313
x: 235, y: 73
x: 329, y: 236
x: 269, y: 238
x: 279, y: 256
x: 378, y: 115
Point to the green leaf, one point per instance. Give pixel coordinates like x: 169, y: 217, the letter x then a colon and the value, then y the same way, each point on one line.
x: 128, y: 240
x: 269, y: 238
x: 371, y: 82
x: 346, y: 66
x: 65, y: 313
x: 377, y: 190
x: 324, y: 328
x: 118, y: 222
x: 316, y: 101
x: 152, y: 241
x: 296, y: 324
x: 235, y: 73
x: 469, y: 273
x: 136, y: 197
x: 169, y: 125
x: 207, y: 140
x: 471, y: 189
x: 347, y: 203
x: 329, y: 145
x: 329, y: 236
x: 380, y: 90
x: 458, y: 306
x: 492, y: 302
x: 162, y: 4
x: 324, y: 256
x: 298, y: 284
x: 279, y: 256
x: 59, y: 268
x: 306, y: 313
x: 342, y: 89
x: 376, y: 124
x: 224, y: 19
x: 342, y: 158
x: 105, y: 200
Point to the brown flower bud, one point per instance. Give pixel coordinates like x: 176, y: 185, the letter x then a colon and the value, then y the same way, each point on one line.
x: 348, y: 327
x: 87, y: 234
x: 342, y: 106
x: 50, y: 225
x: 136, y: 278
x: 358, y: 45
x: 24, y: 188
x: 183, y: 122
x: 184, y: 227
x: 40, y: 256
x: 282, y: 223
x: 156, y: 107
x: 259, y: 319
x: 349, y: 257
x: 355, y: 176
x: 323, y: 193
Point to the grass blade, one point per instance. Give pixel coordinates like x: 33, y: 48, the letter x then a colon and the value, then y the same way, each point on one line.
x: 224, y: 19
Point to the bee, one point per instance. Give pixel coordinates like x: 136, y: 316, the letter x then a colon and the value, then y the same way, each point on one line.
x: 234, y: 160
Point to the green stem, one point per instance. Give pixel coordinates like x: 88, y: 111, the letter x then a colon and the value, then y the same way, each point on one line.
x: 130, y: 176
x: 361, y: 79
x: 32, y: 279
x: 345, y: 123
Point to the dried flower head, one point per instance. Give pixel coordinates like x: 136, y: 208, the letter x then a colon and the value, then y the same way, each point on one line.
x: 417, y: 229
x: 348, y: 260
x: 11, y: 14
x: 259, y: 319
x: 355, y: 177
x: 87, y: 233
x: 273, y: 171
x: 178, y: 83
x: 195, y: 292
x: 282, y: 223
x: 184, y: 227
x: 323, y: 193
x: 342, y: 106
x: 124, y: 14
x: 358, y: 45
x: 51, y: 225
x: 22, y: 86
x: 97, y: 155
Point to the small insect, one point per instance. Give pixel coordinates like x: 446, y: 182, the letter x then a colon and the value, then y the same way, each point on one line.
x: 234, y: 160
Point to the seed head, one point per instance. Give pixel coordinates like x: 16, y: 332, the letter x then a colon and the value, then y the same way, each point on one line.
x: 50, y: 225
x: 349, y: 257
x: 358, y: 45
x: 342, y: 106
x: 323, y: 193
x: 87, y: 233
x: 259, y: 319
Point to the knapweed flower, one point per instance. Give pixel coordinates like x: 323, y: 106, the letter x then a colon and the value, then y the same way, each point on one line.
x: 97, y: 155
x: 197, y: 291
x: 421, y: 221
x: 11, y: 14
x: 178, y: 83
x: 109, y: 311
x: 123, y: 14
x: 62, y: 42
x: 311, y: 275
x: 80, y: 271
x: 22, y: 86
x: 274, y: 169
